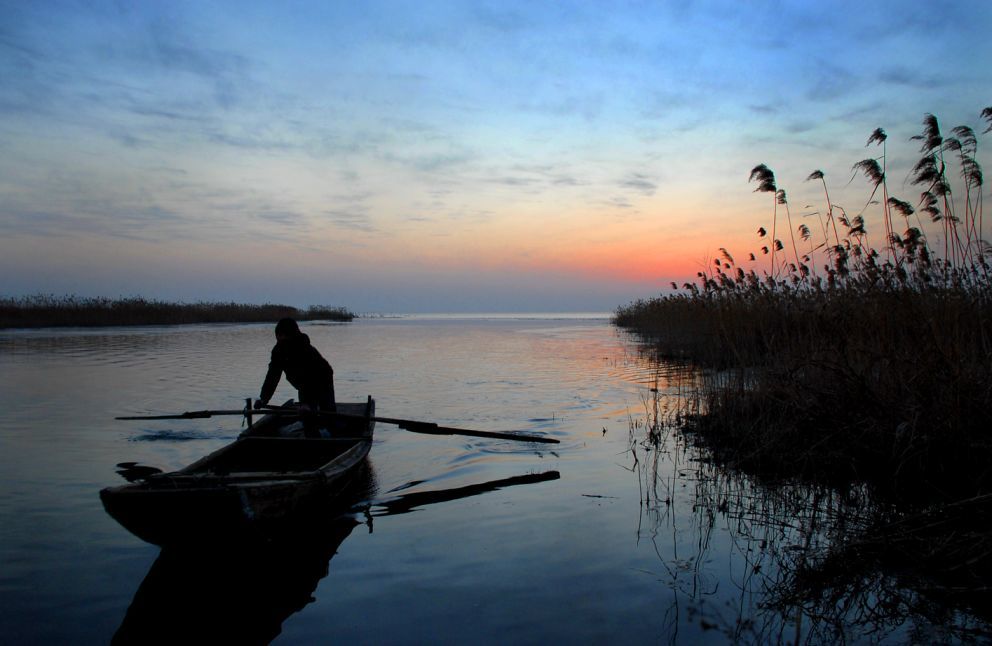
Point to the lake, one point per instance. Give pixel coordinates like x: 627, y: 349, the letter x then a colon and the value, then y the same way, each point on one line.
x: 621, y: 533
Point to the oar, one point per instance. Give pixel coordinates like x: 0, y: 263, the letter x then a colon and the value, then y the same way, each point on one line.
x: 197, y: 414
x: 428, y: 428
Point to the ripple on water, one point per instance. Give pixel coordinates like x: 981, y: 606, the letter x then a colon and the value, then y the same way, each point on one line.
x: 554, y: 381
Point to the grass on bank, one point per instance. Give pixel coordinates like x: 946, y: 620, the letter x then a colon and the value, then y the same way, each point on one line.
x: 74, y: 311
x: 834, y: 359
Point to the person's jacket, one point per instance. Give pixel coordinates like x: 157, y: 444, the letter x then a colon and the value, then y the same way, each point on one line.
x: 305, y: 368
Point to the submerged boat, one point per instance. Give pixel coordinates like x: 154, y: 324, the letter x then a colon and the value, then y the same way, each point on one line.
x: 270, y: 476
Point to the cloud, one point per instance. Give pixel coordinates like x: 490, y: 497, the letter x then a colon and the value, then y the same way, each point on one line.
x: 141, y: 83
x: 900, y: 75
x: 284, y: 218
x: 500, y: 19
x: 666, y: 104
x: 29, y: 85
x: 587, y: 104
x: 432, y: 163
x: 764, y: 109
x: 831, y: 82
x: 566, y: 180
x: 798, y: 127
x: 14, y: 221
x: 162, y: 50
x: 355, y: 220
x: 511, y: 180
x: 135, y: 223
x: 554, y: 175
x: 617, y: 202
x: 859, y: 111
x: 640, y: 183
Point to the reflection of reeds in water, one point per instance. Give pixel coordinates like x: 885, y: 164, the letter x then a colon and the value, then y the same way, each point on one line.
x: 836, y: 426
x: 807, y: 562
x: 666, y: 406
x: 932, y: 565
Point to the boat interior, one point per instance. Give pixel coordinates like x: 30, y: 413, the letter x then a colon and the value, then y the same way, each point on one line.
x: 265, y: 454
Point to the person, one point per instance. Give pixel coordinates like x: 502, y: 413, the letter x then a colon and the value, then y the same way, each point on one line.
x: 305, y: 368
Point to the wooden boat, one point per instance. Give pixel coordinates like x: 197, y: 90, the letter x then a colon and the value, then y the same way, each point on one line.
x: 265, y: 479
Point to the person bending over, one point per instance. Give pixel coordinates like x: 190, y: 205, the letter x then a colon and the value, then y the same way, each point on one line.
x: 305, y: 368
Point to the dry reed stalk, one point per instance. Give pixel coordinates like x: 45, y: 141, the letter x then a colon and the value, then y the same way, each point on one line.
x: 882, y: 365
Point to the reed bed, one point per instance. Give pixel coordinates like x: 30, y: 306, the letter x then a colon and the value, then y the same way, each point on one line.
x: 814, y: 563
x: 837, y: 364
x: 74, y: 311
x: 848, y: 362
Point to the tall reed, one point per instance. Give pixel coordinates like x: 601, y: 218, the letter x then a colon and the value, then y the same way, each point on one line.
x: 876, y: 368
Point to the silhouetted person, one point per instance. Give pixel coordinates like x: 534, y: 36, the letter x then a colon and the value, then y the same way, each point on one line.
x: 305, y: 369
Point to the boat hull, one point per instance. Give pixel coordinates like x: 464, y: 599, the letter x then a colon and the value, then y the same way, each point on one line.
x: 260, y: 484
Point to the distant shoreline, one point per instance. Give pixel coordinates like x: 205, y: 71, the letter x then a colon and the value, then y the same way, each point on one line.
x: 44, y: 311
x: 493, y: 316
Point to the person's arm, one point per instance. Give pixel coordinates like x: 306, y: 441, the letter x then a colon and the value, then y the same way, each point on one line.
x: 271, y: 380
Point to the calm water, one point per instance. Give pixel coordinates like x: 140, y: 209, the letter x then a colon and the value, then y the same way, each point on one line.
x: 608, y: 538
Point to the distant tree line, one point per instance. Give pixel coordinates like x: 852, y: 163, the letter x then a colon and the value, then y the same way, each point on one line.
x: 46, y: 310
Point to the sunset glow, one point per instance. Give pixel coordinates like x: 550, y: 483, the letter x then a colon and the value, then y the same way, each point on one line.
x: 394, y: 156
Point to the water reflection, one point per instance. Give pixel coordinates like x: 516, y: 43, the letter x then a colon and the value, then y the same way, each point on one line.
x: 807, y: 564
x: 240, y: 592
x: 243, y: 593
x: 406, y: 503
x: 229, y: 595
x: 645, y: 541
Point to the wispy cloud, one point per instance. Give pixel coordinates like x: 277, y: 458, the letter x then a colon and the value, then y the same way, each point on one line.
x: 356, y: 220
x: 901, y: 75
x: 282, y: 218
x: 832, y: 82
x: 617, y: 202
x: 135, y: 223
x: 234, y: 121
x: 162, y: 50
x: 764, y: 109
x: 640, y: 183
x: 799, y: 126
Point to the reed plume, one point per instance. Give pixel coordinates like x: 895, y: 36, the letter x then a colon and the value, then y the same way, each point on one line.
x: 766, y: 184
x: 887, y: 351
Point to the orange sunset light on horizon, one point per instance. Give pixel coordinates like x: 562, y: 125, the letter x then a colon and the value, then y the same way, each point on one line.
x: 516, y: 157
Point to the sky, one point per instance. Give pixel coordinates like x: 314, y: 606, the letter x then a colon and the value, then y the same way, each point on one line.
x: 453, y: 156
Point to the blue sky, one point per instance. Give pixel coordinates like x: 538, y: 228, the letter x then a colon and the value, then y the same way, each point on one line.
x: 427, y: 156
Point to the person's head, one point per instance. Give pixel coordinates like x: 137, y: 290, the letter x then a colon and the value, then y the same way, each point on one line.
x: 286, y: 328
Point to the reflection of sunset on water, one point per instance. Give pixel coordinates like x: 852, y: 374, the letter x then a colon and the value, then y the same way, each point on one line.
x: 621, y: 508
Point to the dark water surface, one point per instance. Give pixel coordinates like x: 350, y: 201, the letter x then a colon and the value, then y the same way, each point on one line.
x: 601, y: 538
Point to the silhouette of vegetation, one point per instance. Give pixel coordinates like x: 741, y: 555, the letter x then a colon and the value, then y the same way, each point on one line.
x: 74, y: 311
x: 817, y: 563
x: 846, y: 361
x: 857, y: 371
